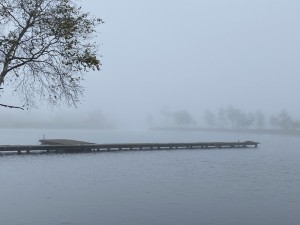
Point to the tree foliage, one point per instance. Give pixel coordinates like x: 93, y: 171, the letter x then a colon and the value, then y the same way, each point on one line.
x: 210, y: 118
x: 231, y: 117
x: 182, y: 118
x: 45, y: 48
x: 284, y: 121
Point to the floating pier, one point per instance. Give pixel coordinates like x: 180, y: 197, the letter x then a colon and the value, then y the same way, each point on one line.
x: 71, y: 146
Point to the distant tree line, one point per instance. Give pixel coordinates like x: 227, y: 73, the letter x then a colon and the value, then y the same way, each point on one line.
x: 180, y: 118
x: 168, y: 118
x: 284, y: 121
x: 231, y: 117
x: 227, y: 118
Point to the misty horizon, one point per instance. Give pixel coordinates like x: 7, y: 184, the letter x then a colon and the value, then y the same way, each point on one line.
x: 192, y: 56
x: 224, y: 117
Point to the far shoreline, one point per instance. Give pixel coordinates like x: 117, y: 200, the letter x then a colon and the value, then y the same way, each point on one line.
x: 232, y: 130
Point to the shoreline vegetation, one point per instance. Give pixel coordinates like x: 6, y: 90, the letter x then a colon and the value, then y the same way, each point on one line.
x: 231, y: 130
x: 228, y: 119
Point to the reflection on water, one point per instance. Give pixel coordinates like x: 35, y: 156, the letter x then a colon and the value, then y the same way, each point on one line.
x: 255, y: 186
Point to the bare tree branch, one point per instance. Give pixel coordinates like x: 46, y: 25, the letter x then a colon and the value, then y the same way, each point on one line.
x: 45, y: 48
x: 11, y: 106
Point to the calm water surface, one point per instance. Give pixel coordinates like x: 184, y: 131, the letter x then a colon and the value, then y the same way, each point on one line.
x: 235, y: 187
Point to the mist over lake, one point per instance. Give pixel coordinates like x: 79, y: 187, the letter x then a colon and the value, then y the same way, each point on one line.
x: 227, y: 186
x: 170, y: 71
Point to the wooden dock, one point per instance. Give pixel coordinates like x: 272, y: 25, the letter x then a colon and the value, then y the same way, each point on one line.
x: 71, y: 146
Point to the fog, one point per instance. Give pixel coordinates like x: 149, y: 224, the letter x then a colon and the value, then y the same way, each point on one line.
x: 189, y: 55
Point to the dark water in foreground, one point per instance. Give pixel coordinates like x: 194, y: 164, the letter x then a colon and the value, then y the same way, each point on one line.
x: 235, y: 187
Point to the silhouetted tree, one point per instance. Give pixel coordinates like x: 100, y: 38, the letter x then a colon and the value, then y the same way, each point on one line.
x: 210, y: 118
x: 222, y: 119
x: 232, y: 115
x: 259, y: 119
x: 45, y: 46
x: 183, y: 118
x: 239, y: 119
x: 282, y: 121
x: 246, y: 120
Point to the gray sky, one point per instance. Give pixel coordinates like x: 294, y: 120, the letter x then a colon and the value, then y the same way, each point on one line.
x: 194, y: 55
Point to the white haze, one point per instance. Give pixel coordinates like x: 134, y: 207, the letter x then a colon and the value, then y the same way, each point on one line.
x: 191, y: 55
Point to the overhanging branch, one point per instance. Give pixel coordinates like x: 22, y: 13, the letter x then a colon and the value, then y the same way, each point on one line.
x: 11, y: 106
x: 45, y: 50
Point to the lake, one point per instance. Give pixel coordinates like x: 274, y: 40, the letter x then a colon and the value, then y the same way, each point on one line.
x: 172, y: 187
